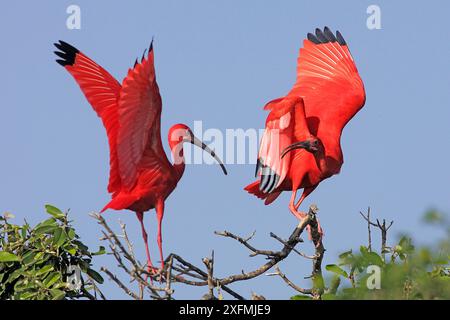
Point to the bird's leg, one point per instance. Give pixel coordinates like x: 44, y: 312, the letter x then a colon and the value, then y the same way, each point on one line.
x: 160, y: 214
x: 150, y: 268
x: 293, y: 209
x: 306, y: 192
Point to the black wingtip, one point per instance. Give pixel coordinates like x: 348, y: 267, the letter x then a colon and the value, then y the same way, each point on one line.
x: 143, y: 55
x: 321, y: 36
x: 326, y: 36
x: 340, y: 39
x: 150, y: 49
x: 313, y: 39
x: 269, y: 180
x: 258, y: 167
x: 66, y: 52
x: 329, y: 35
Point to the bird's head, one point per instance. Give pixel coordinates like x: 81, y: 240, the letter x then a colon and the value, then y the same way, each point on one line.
x: 311, y: 144
x: 180, y: 133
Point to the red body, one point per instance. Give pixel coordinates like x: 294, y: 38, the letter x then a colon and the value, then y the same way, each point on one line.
x: 327, y: 94
x: 141, y: 175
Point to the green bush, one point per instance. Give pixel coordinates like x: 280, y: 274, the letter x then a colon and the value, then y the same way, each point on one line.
x: 35, y: 262
x: 406, y: 272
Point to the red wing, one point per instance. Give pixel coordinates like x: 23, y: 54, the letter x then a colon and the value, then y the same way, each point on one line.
x: 102, y: 91
x: 328, y: 80
x: 285, y: 124
x: 139, y: 119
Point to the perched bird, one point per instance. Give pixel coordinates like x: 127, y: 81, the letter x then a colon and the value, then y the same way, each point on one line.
x: 301, y: 144
x: 141, y: 176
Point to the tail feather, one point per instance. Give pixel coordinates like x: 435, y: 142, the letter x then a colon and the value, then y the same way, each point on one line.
x: 120, y: 202
x: 253, y: 188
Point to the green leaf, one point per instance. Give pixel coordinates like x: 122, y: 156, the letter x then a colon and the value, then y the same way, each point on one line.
x: 301, y: 297
x: 336, y: 269
x: 374, y: 259
x: 55, y: 212
x: 71, y: 234
x: 26, y: 295
x: 59, y: 237
x: 100, y: 251
x: 345, y: 254
x: 57, y: 294
x: 24, y: 231
x: 45, y: 229
x: 48, y: 222
x: 51, y: 279
x: 71, y: 250
x: 16, y: 274
x: 328, y: 296
x: 363, y: 250
x: 44, y: 270
x: 8, y: 257
x: 95, y: 275
x: 28, y: 257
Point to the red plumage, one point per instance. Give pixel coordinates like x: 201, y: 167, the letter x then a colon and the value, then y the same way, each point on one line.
x: 301, y: 143
x: 141, y: 175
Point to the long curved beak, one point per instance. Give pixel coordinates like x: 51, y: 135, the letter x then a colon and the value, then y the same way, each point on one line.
x: 297, y: 145
x: 195, y: 141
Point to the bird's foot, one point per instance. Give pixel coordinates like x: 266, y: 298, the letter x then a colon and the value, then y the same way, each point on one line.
x: 302, y: 215
x: 152, y: 272
x: 299, y: 214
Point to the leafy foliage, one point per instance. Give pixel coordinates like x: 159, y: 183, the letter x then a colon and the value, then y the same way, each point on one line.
x: 35, y: 263
x: 406, y: 272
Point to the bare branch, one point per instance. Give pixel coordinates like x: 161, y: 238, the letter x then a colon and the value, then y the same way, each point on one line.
x: 120, y: 284
x: 245, y: 243
x: 289, y: 282
x: 179, y: 270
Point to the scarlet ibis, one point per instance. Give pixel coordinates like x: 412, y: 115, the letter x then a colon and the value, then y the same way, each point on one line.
x: 301, y: 144
x: 141, y: 176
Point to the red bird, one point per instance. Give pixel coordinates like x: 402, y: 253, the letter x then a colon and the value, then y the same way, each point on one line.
x: 141, y: 176
x: 301, y: 143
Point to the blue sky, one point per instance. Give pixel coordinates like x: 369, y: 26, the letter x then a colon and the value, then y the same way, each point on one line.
x: 220, y: 62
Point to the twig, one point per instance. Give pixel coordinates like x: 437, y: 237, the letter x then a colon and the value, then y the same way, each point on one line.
x: 204, y: 275
x: 293, y: 249
x: 209, y: 263
x: 369, y: 224
x: 383, y: 228
x: 289, y: 282
x: 120, y: 284
x: 276, y: 257
x: 245, y: 243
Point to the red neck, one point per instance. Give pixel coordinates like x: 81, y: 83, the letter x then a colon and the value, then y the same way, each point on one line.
x: 329, y: 158
x: 176, y: 148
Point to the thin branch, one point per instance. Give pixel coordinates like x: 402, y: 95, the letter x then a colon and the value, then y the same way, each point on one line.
x: 120, y: 284
x: 209, y: 264
x: 289, y: 282
x: 185, y: 271
x: 204, y: 275
x: 245, y: 243
x: 369, y: 224
x: 383, y: 228
x: 293, y: 249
